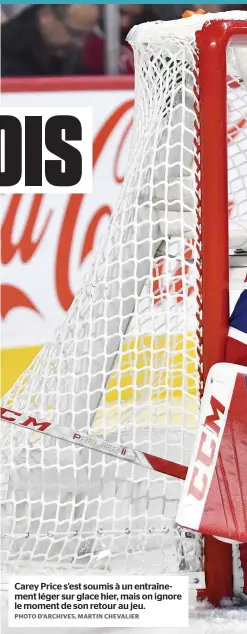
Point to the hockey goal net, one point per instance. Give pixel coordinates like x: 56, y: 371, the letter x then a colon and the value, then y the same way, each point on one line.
x: 149, y: 320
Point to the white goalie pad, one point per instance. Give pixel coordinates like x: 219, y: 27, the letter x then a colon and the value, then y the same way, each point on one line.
x: 214, y: 499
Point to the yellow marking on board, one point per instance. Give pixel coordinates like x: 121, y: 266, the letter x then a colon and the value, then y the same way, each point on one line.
x: 162, y: 367
x: 181, y: 414
x: 13, y: 362
x: 167, y: 364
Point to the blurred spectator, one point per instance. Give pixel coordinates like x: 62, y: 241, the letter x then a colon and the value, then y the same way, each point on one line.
x: 47, y: 39
x: 218, y: 8
x: 210, y: 8
x: 93, y: 52
x: 175, y: 11
x: 130, y: 15
x: 60, y: 39
x: 171, y: 11
x: 10, y: 10
x: 2, y: 15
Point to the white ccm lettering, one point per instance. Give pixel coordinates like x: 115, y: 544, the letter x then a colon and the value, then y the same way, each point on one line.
x: 206, y: 451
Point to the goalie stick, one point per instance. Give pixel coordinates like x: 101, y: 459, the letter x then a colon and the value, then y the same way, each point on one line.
x: 135, y: 456
x: 214, y: 497
x: 212, y: 411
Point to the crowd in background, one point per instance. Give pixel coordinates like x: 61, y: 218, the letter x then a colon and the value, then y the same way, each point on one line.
x: 60, y: 39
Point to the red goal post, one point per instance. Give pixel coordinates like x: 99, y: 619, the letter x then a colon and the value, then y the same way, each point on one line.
x: 212, y: 190
x: 212, y: 42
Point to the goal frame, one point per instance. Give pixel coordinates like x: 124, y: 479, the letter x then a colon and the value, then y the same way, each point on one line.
x: 212, y: 42
x: 212, y: 199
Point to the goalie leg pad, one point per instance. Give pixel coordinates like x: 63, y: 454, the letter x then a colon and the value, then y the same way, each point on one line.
x: 214, y: 499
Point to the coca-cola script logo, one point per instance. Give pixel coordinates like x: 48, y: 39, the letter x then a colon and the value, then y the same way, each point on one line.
x: 31, y: 239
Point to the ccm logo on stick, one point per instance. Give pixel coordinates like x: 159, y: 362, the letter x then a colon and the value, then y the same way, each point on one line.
x: 206, y: 451
x: 45, y: 150
x: 10, y: 416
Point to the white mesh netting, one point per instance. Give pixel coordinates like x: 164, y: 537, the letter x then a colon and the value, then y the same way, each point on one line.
x: 124, y: 363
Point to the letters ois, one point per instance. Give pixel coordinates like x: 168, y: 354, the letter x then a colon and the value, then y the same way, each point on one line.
x: 45, y: 150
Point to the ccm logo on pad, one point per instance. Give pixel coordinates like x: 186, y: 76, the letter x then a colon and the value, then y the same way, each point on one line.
x: 206, y: 451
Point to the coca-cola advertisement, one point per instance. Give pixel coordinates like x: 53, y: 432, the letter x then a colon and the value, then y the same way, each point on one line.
x: 48, y: 240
